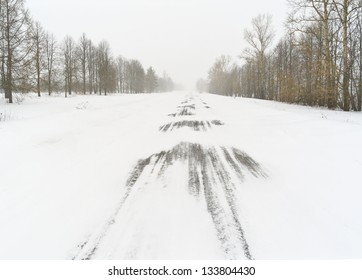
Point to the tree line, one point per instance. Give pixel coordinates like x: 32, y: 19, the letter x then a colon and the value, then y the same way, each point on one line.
x: 33, y: 60
x: 317, y: 62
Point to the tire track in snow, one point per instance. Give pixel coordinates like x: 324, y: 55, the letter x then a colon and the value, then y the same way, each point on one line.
x: 87, y: 249
x: 211, y: 179
x: 194, y: 125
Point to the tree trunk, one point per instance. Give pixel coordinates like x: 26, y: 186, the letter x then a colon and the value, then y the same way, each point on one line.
x: 345, y: 83
x: 49, y: 83
x: 331, y: 100
x: 38, y: 77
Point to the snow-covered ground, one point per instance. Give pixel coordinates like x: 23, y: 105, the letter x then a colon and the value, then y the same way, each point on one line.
x: 178, y: 176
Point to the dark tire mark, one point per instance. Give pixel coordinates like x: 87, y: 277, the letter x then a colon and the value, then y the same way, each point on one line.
x: 191, y: 107
x: 209, y: 178
x: 89, y: 247
x: 237, y: 168
x: 186, y: 111
x: 195, y: 125
x: 245, y: 160
x: 207, y: 174
x: 165, y: 127
x: 136, y: 173
x: 217, y: 122
x: 207, y: 171
x: 228, y: 186
x: 194, y: 169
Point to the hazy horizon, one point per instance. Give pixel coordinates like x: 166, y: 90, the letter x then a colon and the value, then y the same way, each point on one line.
x: 182, y: 38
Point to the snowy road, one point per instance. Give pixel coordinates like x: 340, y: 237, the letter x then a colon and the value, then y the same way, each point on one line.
x: 178, y: 176
x: 204, y: 176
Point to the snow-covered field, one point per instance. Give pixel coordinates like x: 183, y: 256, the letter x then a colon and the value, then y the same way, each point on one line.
x: 178, y: 176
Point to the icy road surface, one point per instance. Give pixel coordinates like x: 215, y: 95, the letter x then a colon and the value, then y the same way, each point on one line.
x: 178, y: 176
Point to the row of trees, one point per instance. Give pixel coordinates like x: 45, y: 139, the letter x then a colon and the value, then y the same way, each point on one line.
x: 32, y: 60
x: 318, y: 61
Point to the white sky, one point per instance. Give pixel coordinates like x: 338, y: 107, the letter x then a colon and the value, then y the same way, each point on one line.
x: 181, y: 37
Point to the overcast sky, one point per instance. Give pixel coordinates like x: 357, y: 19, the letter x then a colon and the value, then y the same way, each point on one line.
x: 181, y: 37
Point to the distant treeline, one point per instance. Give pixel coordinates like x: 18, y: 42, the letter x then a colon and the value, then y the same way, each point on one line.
x: 318, y: 62
x: 32, y: 60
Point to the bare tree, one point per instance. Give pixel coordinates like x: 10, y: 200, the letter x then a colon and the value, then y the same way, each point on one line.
x: 28, y: 54
x: 91, y: 66
x: 318, y: 61
x: 50, y: 54
x: 104, y: 64
x: 69, y: 64
x: 38, y: 37
x: 259, y: 38
x: 218, y: 75
x: 136, y: 76
x: 83, y: 49
x: 14, y: 43
x: 306, y: 11
x: 345, y: 9
x: 359, y: 60
x: 165, y: 83
x: 122, y: 74
x: 151, y: 80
